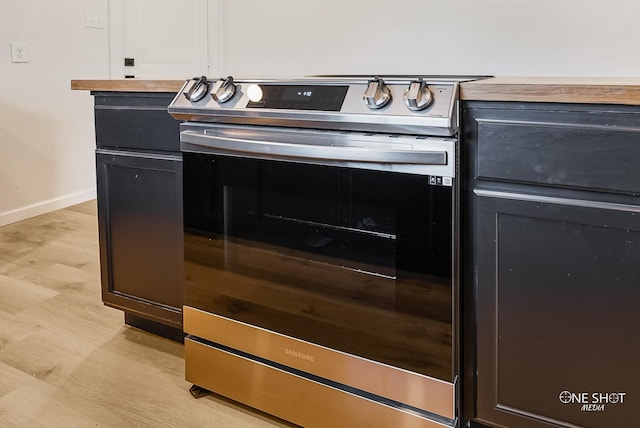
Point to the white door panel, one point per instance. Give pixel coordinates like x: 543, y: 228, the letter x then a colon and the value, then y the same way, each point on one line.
x: 166, y: 38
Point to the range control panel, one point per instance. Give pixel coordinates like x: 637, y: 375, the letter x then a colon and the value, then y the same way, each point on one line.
x: 394, y: 105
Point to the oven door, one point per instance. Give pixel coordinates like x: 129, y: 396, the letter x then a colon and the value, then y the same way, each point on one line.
x: 325, y: 259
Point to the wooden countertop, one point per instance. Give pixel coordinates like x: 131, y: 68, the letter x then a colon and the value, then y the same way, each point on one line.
x: 128, y: 85
x: 586, y: 90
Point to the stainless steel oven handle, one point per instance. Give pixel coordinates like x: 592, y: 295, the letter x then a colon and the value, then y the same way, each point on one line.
x: 277, y: 150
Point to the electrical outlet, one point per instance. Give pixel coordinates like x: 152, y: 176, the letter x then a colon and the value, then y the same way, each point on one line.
x: 19, y: 52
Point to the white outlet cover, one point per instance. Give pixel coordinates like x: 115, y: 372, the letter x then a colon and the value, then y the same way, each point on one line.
x: 19, y: 52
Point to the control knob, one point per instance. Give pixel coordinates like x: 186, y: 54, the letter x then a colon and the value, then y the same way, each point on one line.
x: 198, y: 90
x: 377, y: 94
x: 223, y: 90
x: 417, y: 96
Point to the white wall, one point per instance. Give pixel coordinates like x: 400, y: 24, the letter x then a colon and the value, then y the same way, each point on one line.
x: 494, y: 37
x: 46, y: 130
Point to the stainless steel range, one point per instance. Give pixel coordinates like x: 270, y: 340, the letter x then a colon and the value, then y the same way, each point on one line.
x: 321, y: 246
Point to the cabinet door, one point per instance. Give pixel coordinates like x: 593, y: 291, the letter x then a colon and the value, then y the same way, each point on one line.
x: 558, y: 309
x: 140, y: 219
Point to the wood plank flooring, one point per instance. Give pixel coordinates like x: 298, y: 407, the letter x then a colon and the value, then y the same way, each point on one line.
x: 68, y: 361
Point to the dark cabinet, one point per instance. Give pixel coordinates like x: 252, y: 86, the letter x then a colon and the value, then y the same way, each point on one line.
x: 139, y: 182
x: 141, y: 233
x: 558, y: 300
x: 553, y: 265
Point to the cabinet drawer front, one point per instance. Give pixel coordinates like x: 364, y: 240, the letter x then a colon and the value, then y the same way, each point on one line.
x: 136, y: 128
x: 572, y: 155
x: 138, y: 121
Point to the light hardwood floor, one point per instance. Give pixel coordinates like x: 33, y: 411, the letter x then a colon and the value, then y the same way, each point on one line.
x: 68, y: 361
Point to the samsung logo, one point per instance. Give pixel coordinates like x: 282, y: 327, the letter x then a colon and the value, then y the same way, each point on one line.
x: 299, y: 355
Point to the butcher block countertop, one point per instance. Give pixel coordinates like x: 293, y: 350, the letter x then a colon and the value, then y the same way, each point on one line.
x: 128, y: 85
x: 586, y: 90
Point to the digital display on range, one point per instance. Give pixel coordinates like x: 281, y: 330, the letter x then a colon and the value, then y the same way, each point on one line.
x: 297, y: 93
x: 300, y: 97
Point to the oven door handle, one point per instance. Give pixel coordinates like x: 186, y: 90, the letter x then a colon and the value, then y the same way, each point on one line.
x: 278, y: 150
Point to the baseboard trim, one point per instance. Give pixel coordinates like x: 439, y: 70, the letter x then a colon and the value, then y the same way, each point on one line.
x: 43, y: 207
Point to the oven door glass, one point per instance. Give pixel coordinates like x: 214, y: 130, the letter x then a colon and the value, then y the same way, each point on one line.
x: 355, y: 260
